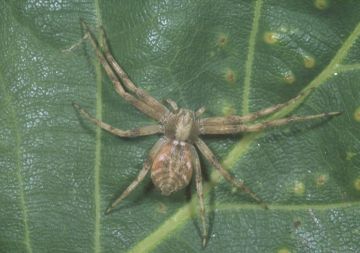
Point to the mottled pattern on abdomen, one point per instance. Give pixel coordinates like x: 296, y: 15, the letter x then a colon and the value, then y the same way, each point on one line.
x: 172, y: 167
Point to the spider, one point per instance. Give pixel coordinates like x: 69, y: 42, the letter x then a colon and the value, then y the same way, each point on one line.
x: 174, y: 157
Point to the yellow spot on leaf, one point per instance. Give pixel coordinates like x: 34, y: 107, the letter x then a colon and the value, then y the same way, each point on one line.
x: 321, y: 180
x: 230, y: 76
x: 357, y: 114
x: 357, y: 184
x: 350, y: 155
x: 162, y: 208
x: 299, y: 188
x: 289, y: 77
x: 271, y: 37
x: 222, y: 40
x: 228, y: 110
x: 284, y: 250
x: 309, y: 61
x: 321, y: 4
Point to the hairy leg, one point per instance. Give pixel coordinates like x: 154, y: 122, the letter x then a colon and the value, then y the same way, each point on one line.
x: 200, y: 193
x: 235, y: 119
x: 146, y: 130
x: 140, y: 105
x: 233, y: 129
x: 131, y: 187
x: 147, y: 166
x: 173, y: 105
x: 204, y: 149
x: 200, y: 111
x: 140, y: 93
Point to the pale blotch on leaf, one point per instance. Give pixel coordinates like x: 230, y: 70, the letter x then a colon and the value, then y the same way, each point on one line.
x: 228, y: 110
x: 357, y: 114
x: 350, y: 155
x: 222, y: 40
x: 321, y: 4
x: 230, y: 76
x: 271, y: 37
x: 309, y: 61
x: 284, y: 250
x: 284, y: 29
x: 299, y: 188
x: 289, y: 77
x: 161, y: 208
x: 357, y: 184
x: 214, y: 177
x: 321, y: 180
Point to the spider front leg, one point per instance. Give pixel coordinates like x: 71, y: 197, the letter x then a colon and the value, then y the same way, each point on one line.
x: 149, y: 109
x: 238, y: 128
x: 204, y: 149
x: 235, y: 119
x: 140, y: 93
x: 146, y: 130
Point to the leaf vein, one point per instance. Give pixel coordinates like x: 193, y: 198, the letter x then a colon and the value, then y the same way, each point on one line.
x: 97, y: 165
x: 20, y: 179
x: 250, y: 57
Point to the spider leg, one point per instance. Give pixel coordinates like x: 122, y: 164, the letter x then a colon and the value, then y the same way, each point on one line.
x: 200, y: 111
x: 173, y: 104
x: 204, y: 149
x: 131, y: 187
x: 140, y: 105
x: 200, y: 193
x: 146, y: 130
x: 235, y: 119
x: 233, y: 129
x: 147, y: 166
x: 140, y: 93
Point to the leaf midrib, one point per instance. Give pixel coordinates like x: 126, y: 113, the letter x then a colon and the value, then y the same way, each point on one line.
x: 97, y: 162
x: 250, y: 57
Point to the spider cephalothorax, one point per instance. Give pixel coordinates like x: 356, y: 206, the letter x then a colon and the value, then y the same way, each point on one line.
x: 174, y: 158
x: 181, y: 125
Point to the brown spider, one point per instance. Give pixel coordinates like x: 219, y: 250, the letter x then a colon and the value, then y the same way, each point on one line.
x: 174, y: 156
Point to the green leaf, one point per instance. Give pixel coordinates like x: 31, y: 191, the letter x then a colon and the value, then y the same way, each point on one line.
x: 59, y: 173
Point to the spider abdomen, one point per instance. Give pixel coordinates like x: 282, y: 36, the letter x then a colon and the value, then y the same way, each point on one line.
x: 172, y: 166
